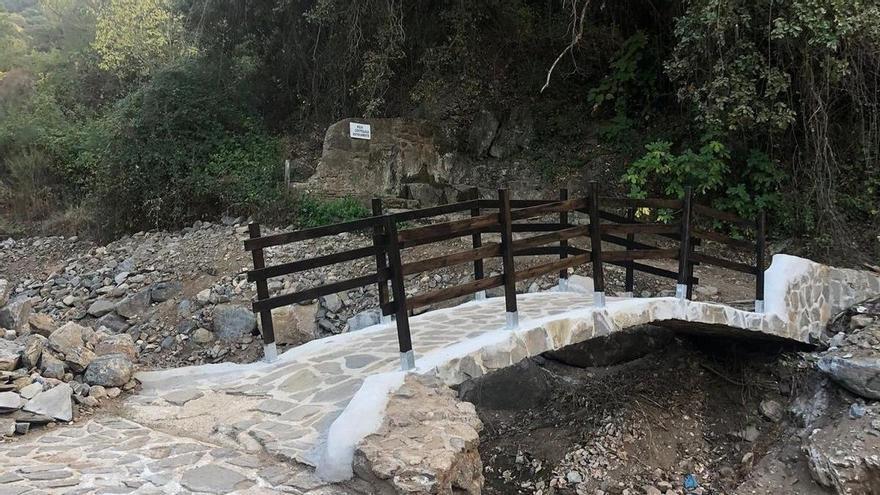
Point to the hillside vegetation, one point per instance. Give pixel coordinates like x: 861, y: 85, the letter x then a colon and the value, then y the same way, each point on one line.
x: 122, y: 115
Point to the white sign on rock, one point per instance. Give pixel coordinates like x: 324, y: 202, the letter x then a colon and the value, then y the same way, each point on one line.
x: 359, y: 131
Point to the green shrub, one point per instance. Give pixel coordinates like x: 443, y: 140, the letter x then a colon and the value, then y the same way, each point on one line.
x: 314, y: 212
x: 663, y: 171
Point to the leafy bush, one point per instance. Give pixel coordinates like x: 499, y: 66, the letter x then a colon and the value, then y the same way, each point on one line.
x: 662, y: 170
x: 314, y: 212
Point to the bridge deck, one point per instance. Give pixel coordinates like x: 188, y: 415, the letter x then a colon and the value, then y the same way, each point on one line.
x: 308, y: 387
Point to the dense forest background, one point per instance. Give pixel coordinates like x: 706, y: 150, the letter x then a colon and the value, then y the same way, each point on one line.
x: 120, y: 115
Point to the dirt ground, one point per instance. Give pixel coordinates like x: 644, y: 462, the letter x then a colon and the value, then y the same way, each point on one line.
x: 689, y: 414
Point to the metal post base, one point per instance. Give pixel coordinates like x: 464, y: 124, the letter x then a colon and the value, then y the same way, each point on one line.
x: 628, y: 295
x: 599, y: 299
x: 480, y: 296
x: 512, y: 320
x: 681, y: 291
x: 407, y: 360
x: 563, y: 285
x: 270, y: 352
x: 759, y: 306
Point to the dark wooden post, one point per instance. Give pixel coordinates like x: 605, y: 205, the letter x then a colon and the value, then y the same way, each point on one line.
x: 760, y: 241
x: 681, y: 289
x: 507, y: 258
x: 404, y: 339
x: 563, y: 245
x: 477, y: 240
x: 381, y: 260
x: 629, y: 281
x: 270, y: 352
x: 596, y: 247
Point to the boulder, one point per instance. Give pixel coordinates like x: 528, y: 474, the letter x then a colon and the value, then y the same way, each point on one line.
x: 859, y: 375
x: 202, y: 336
x: 51, y: 366
x: 164, y: 291
x: 32, y: 350
x: 100, y: 307
x: 42, y: 324
x: 54, y: 403
x: 15, y: 314
x: 117, y: 344
x: 10, y: 401
x: 612, y: 349
x: 425, y: 194
x: 113, y: 322
x: 233, y: 322
x: 515, y: 134
x: 69, y: 341
x: 10, y: 354
x: 295, y: 324
x: 111, y: 370
x: 134, y: 305
x: 482, y: 133
x: 364, y: 319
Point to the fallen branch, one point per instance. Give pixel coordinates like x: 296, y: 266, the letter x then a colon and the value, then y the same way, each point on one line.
x: 577, y: 34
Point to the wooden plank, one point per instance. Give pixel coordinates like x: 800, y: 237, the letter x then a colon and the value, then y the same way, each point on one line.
x: 760, y: 235
x: 268, y: 329
x: 476, y: 242
x: 685, y: 233
x: 447, y: 230
x: 507, y: 251
x: 381, y: 259
x: 622, y: 219
x: 452, y: 292
x: 672, y: 204
x: 405, y: 216
x: 305, y: 234
x: 723, y: 239
x: 730, y: 265
x: 639, y: 228
x: 537, y: 271
x: 401, y: 318
x: 559, y: 235
x: 563, y: 244
x: 629, y: 279
x: 545, y: 251
x: 596, y: 239
x: 723, y: 216
x: 652, y: 270
x: 640, y: 254
x: 489, y: 250
x: 311, y: 263
x: 316, y: 292
x: 547, y: 208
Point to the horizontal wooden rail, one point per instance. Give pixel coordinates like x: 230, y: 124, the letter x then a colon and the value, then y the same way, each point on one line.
x: 406, y: 216
x: 605, y: 215
x: 447, y: 230
x: 311, y: 263
x: 316, y: 292
x: 609, y: 202
x: 547, y: 208
x: 723, y: 216
x: 638, y: 228
x: 490, y: 250
x: 649, y: 269
x: 453, y: 292
x: 555, y: 266
x: 730, y: 265
x: 640, y: 254
x: 315, y: 232
x: 559, y: 235
x: 724, y: 239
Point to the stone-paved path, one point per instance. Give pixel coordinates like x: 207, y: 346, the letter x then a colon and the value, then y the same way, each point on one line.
x: 307, y: 388
x: 115, y: 455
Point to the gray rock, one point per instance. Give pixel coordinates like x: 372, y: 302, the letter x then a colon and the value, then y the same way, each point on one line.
x: 212, y: 479
x: 10, y: 354
x: 134, y: 305
x: 771, y: 410
x: 42, y: 324
x: 164, y: 291
x: 7, y: 427
x: 857, y: 410
x: 117, y: 344
x: 482, y: 133
x: 364, y: 319
x: 21, y: 428
x: 859, y: 375
x: 5, y: 291
x: 332, y: 302
x: 55, y: 402
x: 202, y: 336
x: 233, y: 322
x: 181, y: 397
x: 113, y: 322
x: 101, y: 307
x: 69, y: 342
x: 425, y: 194
x: 51, y: 366
x: 516, y: 133
x: 112, y: 370
x: 31, y: 390
x: 10, y: 401
x: 14, y: 315
x: 32, y: 349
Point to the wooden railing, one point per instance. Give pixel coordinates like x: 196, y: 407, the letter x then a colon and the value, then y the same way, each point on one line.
x: 535, y: 236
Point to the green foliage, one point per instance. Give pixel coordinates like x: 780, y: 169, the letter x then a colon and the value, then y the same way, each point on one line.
x: 630, y: 79
x: 668, y: 173
x: 755, y: 188
x: 314, y: 212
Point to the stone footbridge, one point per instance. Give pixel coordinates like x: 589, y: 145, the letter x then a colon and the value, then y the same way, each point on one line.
x: 292, y: 425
